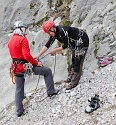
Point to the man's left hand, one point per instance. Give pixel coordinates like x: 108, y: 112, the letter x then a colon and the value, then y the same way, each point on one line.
x: 52, y: 52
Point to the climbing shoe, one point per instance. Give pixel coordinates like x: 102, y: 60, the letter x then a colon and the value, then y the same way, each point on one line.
x: 55, y: 93
x: 70, y: 75
x: 105, y: 62
x: 94, y: 104
x: 20, y: 114
x: 105, y: 58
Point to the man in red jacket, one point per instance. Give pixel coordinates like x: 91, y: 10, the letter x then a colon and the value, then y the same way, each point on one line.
x: 20, y: 53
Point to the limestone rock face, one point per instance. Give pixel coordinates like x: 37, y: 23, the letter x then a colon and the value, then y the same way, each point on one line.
x: 98, y: 18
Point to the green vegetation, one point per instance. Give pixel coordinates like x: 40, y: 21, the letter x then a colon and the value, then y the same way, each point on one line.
x: 68, y: 1
x: 111, y: 9
x: 37, y: 24
x: 112, y: 2
x: 31, y: 6
x: 96, y: 39
x: 82, y: 18
x: 50, y: 3
x: 68, y: 53
x: 35, y: 5
x: 58, y: 3
x: 66, y: 22
x: 33, y: 43
x: 59, y: 44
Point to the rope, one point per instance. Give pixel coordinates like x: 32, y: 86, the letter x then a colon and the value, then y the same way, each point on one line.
x: 37, y: 83
x: 54, y: 66
x: 44, y: 56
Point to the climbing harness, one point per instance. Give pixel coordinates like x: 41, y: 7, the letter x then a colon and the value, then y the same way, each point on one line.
x: 14, y: 67
x: 79, y: 48
x: 79, y: 52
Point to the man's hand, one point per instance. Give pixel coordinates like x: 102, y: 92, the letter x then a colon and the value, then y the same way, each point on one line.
x: 40, y: 64
x: 52, y: 52
x: 36, y: 57
x: 56, y: 50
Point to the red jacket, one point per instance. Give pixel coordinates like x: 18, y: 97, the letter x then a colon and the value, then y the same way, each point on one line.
x: 19, y: 48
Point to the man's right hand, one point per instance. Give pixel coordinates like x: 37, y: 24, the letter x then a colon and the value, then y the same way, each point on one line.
x: 36, y: 57
x: 40, y: 64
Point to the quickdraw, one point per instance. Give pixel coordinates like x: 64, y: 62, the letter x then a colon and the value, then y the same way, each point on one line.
x: 28, y: 68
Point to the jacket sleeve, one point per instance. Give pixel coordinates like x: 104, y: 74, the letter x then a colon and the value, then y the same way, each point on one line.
x: 50, y: 42
x: 66, y: 43
x: 26, y: 52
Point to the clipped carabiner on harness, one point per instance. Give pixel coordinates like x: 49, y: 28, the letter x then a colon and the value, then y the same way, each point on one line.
x: 28, y: 68
x: 79, y: 52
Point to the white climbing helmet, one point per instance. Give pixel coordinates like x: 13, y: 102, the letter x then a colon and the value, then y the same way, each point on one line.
x: 20, y: 24
x: 20, y: 28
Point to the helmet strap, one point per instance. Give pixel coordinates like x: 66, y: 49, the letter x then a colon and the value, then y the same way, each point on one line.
x: 52, y: 31
x: 23, y: 30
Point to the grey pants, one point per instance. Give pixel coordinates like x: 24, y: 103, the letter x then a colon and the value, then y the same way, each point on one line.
x: 20, y: 80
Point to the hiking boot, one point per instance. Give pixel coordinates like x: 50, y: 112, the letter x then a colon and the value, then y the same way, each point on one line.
x: 74, y: 81
x: 69, y: 76
x: 55, y: 93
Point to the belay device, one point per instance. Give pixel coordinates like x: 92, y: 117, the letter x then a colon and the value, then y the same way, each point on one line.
x: 94, y: 104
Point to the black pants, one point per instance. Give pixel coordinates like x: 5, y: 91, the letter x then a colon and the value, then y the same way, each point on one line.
x: 77, y: 61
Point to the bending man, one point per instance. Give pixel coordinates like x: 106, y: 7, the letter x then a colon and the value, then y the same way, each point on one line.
x: 75, y: 39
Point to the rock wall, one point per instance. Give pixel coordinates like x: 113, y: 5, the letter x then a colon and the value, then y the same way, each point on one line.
x: 98, y: 18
